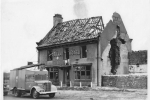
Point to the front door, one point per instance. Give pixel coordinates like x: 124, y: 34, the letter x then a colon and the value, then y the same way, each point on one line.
x: 66, y: 76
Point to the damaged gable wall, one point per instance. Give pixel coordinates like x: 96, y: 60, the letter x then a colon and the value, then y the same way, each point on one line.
x: 109, y: 33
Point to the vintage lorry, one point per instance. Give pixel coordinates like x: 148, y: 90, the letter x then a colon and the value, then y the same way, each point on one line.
x: 34, y: 82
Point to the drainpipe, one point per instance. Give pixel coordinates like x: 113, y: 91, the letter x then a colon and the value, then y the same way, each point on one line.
x: 38, y: 52
x: 98, y: 60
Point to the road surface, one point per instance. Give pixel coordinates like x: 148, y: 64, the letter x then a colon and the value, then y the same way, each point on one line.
x: 87, y: 95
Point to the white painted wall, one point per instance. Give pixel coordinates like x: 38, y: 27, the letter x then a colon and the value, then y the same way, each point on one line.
x: 140, y: 69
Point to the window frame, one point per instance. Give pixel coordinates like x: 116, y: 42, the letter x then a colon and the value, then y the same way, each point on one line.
x: 65, y: 54
x: 53, y: 71
x: 85, y: 72
x: 49, y: 57
x: 81, y: 51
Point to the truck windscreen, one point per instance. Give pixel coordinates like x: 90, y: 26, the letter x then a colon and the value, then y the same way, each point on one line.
x: 36, y: 77
x: 41, y: 77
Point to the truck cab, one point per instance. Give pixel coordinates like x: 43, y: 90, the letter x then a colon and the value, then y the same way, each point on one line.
x: 34, y: 82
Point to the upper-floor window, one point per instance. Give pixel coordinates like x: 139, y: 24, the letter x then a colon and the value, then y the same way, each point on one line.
x: 49, y: 55
x: 83, y: 51
x: 66, y: 53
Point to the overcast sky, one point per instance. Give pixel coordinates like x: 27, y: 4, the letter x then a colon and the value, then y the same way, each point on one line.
x: 25, y: 22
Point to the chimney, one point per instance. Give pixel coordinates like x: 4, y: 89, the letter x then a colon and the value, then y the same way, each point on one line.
x: 57, y: 19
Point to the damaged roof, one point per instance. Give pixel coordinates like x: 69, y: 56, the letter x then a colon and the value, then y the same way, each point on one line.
x: 74, y: 30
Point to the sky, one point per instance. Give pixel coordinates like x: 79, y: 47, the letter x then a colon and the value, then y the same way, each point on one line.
x: 25, y: 22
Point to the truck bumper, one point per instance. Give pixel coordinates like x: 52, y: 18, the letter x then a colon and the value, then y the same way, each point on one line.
x: 47, y: 92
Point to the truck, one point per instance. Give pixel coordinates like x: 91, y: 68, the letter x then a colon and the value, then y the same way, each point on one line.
x: 33, y: 82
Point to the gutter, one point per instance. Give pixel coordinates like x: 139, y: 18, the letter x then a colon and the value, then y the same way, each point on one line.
x: 93, y: 40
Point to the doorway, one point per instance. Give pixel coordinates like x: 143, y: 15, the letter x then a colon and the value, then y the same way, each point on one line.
x: 66, y: 76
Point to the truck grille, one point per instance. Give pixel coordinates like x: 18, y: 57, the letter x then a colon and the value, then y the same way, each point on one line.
x: 47, y: 86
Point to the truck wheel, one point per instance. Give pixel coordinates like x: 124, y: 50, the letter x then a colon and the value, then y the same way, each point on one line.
x: 51, y: 95
x: 35, y: 94
x: 17, y: 92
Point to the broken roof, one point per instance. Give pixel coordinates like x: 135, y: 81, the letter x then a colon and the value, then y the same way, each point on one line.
x: 74, y: 30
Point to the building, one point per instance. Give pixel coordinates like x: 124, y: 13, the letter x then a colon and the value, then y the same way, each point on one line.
x: 75, y: 51
x: 6, y: 77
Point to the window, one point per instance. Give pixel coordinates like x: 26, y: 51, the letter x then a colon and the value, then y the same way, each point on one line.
x: 83, y: 52
x: 49, y: 55
x: 66, y: 53
x: 83, y: 72
x: 53, y: 73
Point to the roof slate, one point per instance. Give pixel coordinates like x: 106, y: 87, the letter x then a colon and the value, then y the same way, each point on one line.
x: 74, y: 30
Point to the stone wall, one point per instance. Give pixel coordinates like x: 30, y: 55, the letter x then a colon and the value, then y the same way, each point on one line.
x: 137, y: 57
x: 138, y: 61
x: 125, y: 81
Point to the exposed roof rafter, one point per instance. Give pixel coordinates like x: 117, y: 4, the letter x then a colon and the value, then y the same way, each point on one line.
x: 74, y: 30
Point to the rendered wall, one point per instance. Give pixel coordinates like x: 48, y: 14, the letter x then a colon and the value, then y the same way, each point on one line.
x: 43, y: 56
x: 91, y: 58
x: 138, y: 69
x: 122, y: 68
x: 58, y: 60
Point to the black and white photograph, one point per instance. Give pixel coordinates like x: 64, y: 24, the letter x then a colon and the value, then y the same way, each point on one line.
x: 75, y: 49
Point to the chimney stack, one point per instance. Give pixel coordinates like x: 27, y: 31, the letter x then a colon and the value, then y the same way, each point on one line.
x: 57, y: 19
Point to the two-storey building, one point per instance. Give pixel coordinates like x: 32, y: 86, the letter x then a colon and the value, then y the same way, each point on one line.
x: 71, y: 50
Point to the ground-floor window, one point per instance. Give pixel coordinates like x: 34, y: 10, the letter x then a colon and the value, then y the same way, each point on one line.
x: 53, y: 73
x: 83, y: 72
